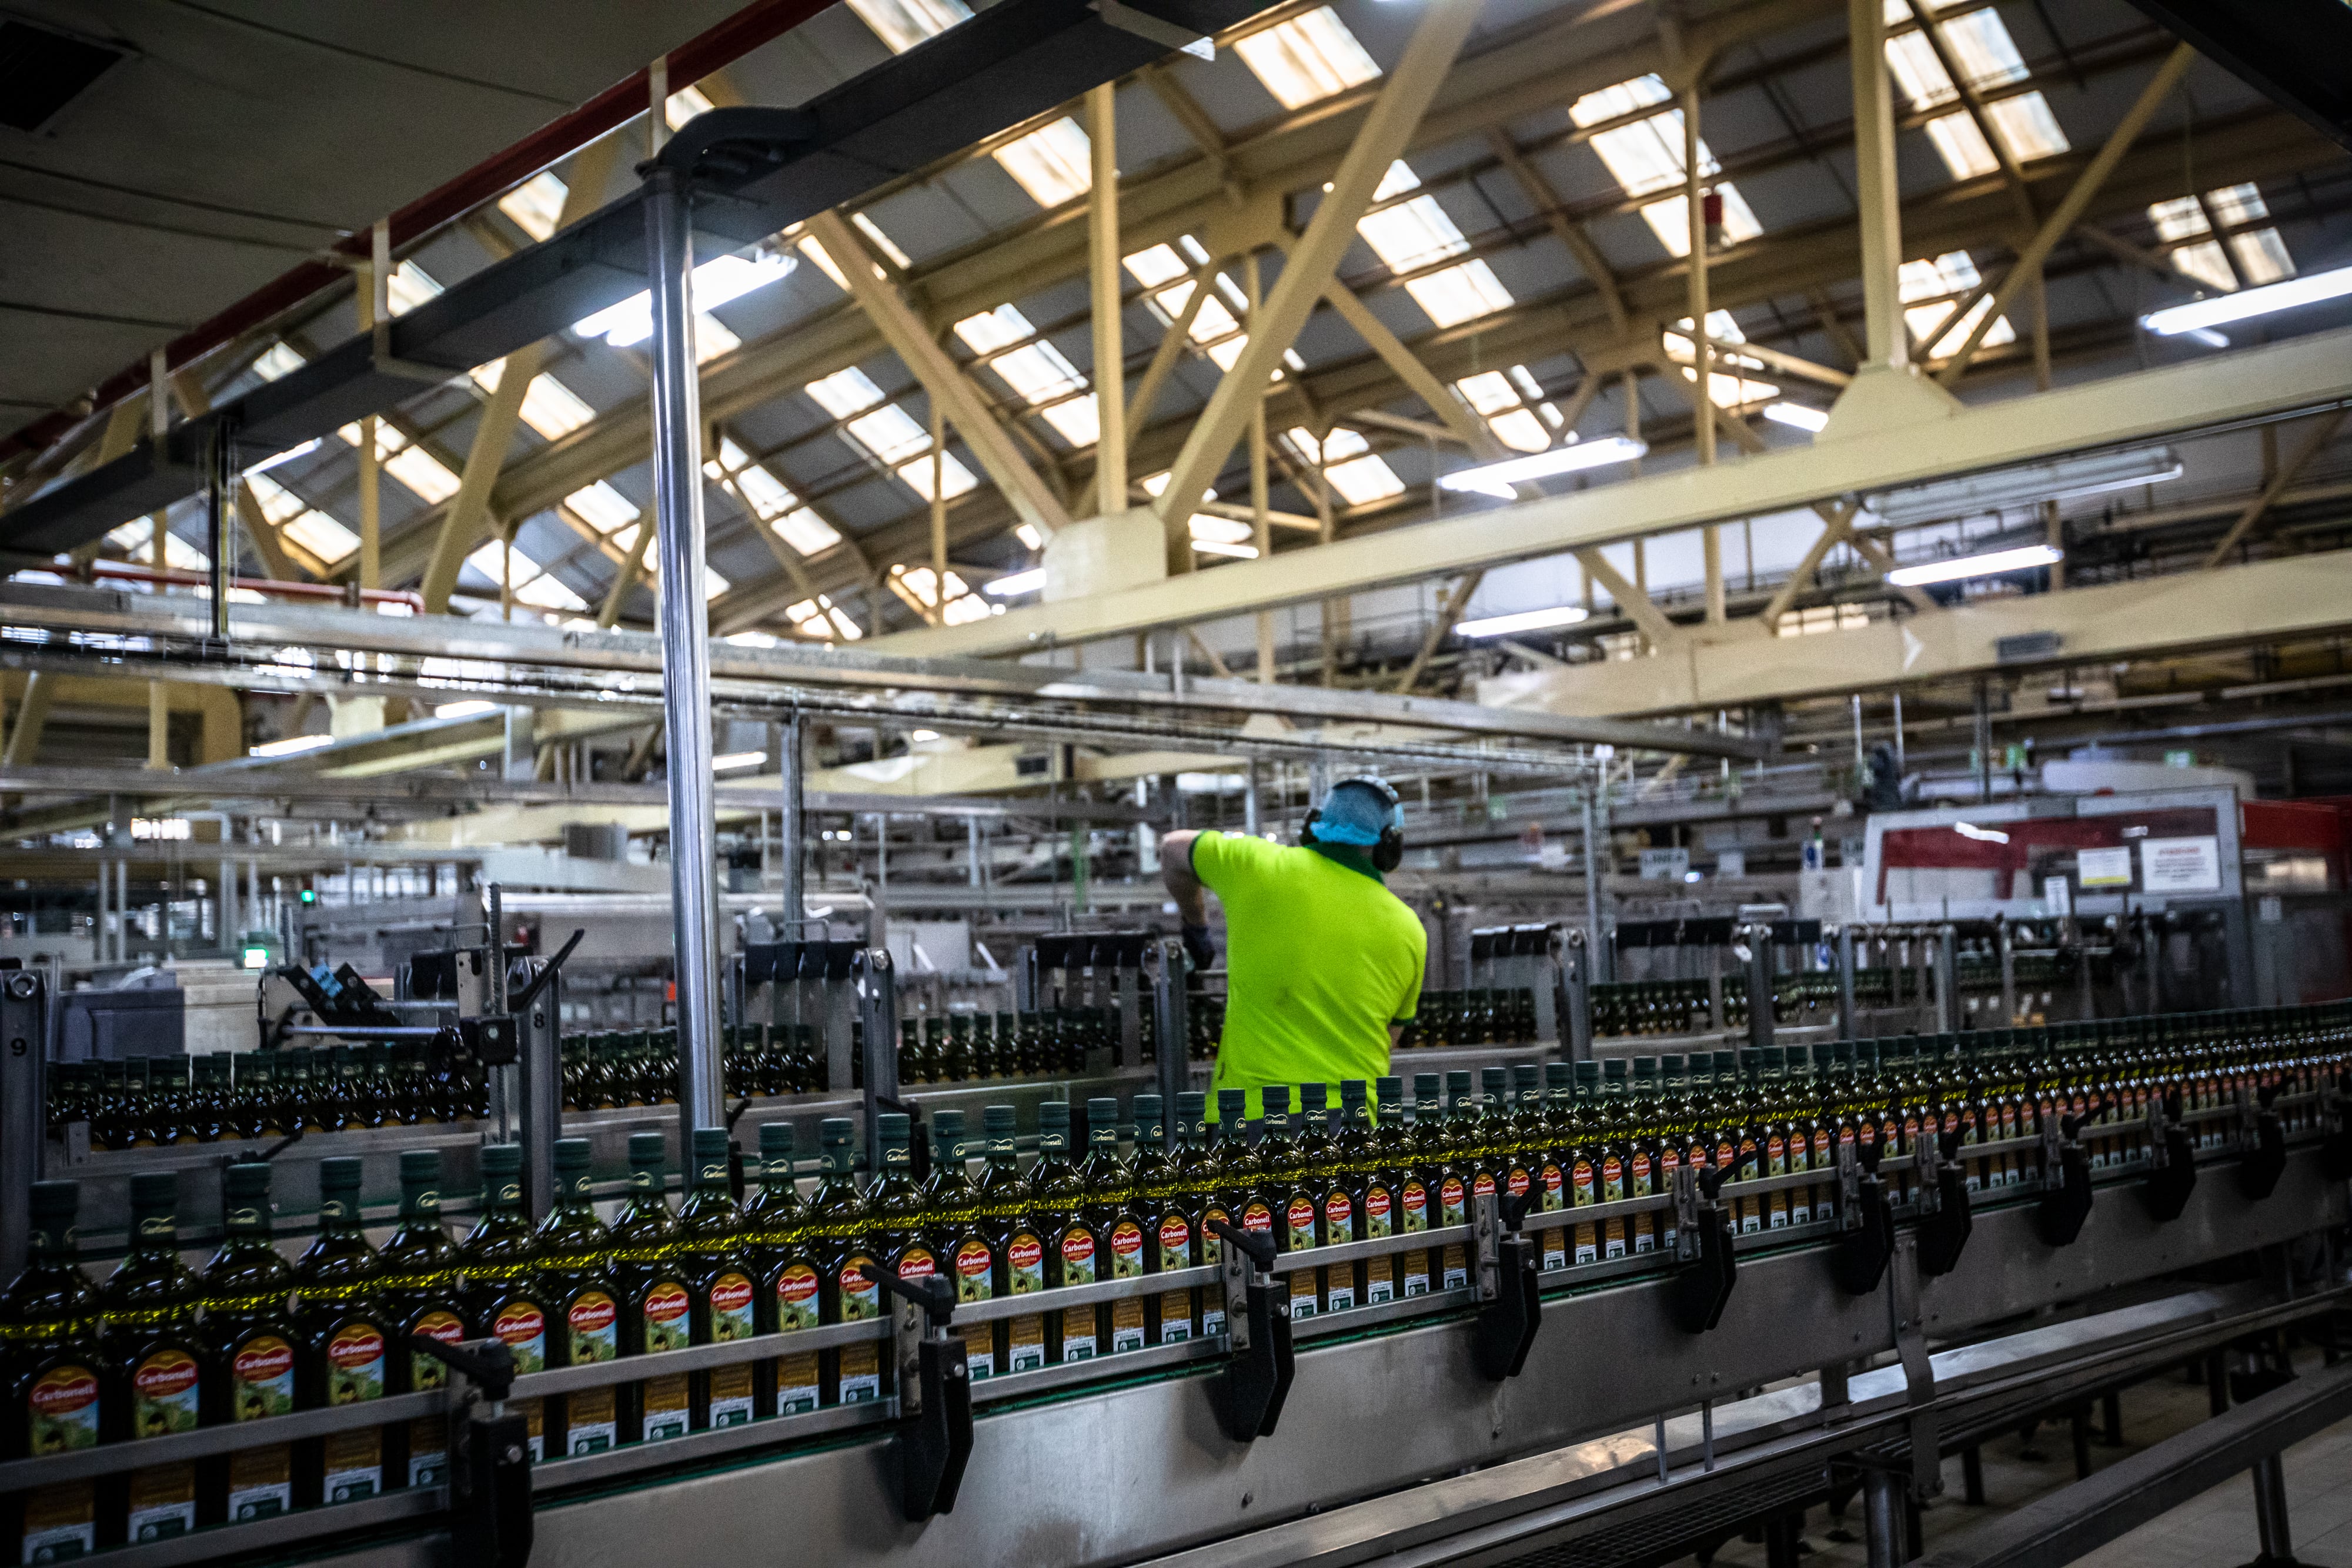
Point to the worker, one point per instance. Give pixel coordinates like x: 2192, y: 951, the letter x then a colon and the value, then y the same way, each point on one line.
x: 1323, y: 963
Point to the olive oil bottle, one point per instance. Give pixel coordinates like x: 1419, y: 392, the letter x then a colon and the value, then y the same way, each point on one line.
x: 1550, y: 1158
x: 583, y: 1300
x: 152, y: 1344
x: 655, y: 1315
x: 1110, y: 1210
x: 1587, y: 1151
x: 1381, y: 1196
x: 899, y: 1237
x: 1056, y: 1196
x: 53, y: 1367
x: 1176, y: 1221
x: 957, y: 1236
x: 1316, y: 1187
x: 719, y: 1279
x: 345, y: 1326
x: 421, y: 1288
x: 253, y: 1343
x: 791, y: 1292
x: 1150, y: 1182
x: 838, y: 1216
x: 1226, y: 1177
x: 499, y: 1264
x: 1016, y: 1238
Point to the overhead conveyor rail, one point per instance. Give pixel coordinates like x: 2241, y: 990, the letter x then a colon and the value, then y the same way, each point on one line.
x: 1013, y: 61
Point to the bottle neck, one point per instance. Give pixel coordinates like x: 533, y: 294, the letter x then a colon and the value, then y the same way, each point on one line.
x: 419, y: 1206
x: 155, y: 1234
x: 339, y: 1214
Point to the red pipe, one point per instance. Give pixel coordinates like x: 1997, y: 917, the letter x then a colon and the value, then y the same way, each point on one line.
x: 128, y: 572
x: 729, y: 41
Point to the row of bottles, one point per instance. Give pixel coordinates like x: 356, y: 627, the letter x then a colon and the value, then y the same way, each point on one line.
x: 146, y: 1102
x: 1057, y: 1041
x: 159, y: 1349
x: 1684, y: 1007
x: 1482, y: 1017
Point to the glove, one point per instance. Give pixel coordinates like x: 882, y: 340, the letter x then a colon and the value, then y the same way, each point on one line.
x: 1199, y: 948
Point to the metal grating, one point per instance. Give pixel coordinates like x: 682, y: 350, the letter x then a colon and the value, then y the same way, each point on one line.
x: 1676, y: 1531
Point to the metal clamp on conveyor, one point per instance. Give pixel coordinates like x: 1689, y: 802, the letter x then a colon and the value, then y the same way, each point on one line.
x: 2065, y: 1178
x: 2171, y: 1161
x: 1866, y: 1224
x: 489, y: 1455
x: 1510, y: 1298
x: 1258, y: 1318
x: 1947, y: 1217
x: 934, y: 1393
x: 2262, y: 1140
x: 1703, y: 1241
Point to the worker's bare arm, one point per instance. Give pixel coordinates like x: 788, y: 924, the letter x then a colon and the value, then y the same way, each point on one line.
x: 1176, y: 871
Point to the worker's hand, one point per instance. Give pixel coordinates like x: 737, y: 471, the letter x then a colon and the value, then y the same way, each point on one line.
x: 1199, y: 948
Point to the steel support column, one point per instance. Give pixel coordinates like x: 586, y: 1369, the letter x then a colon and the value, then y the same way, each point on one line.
x: 1102, y: 265
x: 791, y: 825
x: 686, y: 649
x: 1879, y: 195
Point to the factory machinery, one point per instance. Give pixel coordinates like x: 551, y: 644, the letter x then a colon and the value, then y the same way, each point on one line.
x: 1531, y: 1304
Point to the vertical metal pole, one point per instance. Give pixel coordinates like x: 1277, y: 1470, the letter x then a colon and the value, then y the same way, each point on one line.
x: 24, y: 1117
x: 2007, y: 940
x: 1882, y: 1516
x: 686, y: 649
x: 1982, y: 744
x: 1103, y: 275
x: 220, y: 519
x: 1947, y: 980
x: 971, y: 848
x: 1595, y: 944
x: 1173, y: 1046
x: 538, y: 1034
x: 877, y: 1005
x: 1898, y: 738
x: 1760, y: 986
x: 1885, y: 339
x: 1845, y: 981
x: 792, y: 828
x: 1249, y: 800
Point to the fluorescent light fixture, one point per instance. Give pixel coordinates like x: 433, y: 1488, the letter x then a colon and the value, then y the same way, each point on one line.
x: 2247, y: 303
x: 1998, y: 560
x: 2207, y: 336
x: 1496, y: 478
x: 1522, y: 621
x: 465, y: 709
x: 1981, y: 835
x: 2028, y: 485
x: 1795, y: 416
x: 291, y: 746
x: 1013, y: 583
x: 734, y: 759
x: 715, y: 282
x: 1219, y: 547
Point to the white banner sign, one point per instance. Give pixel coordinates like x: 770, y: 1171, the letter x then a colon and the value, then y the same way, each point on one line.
x: 2181, y: 865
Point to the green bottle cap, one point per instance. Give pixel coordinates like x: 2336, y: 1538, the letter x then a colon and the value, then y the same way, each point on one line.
x: 1494, y: 1082
x: 247, y: 1180
x: 1102, y: 1112
x: 1275, y: 1098
x: 1614, y: 1070
x: 999, y: 1121
x: 1560, y: 1075
x: 1314, y: 1098
x: 1645, y: 1067
x: 1192, y: 1107
x: 340, y: 1173
x: 1427, y: 1088
x: 60, y: 1199
x: 1352, y: 1093
x: 1588, y: 1076
x: 154, y: 1190
x: 501, y: 1159
x: 1053, y: 1114
x: 1232, y: 1105
x: 1389, y: 1088
x: 947, y: 1125
x: 1671, y: 1065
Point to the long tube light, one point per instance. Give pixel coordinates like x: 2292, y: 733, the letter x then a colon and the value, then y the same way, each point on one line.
x: 2223, y: 308
x: 715, y: 282
x: 1015, y: 583
x: 2027, y: 485
x: 1986, y: 565
x: 1496, y: 478
x: 1522, y: 621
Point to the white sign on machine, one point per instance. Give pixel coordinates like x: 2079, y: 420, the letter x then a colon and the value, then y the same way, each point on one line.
x: 2181, y: 865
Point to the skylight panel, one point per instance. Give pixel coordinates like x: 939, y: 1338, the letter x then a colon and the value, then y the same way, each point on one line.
x: 536, y: 204
x: 715, y: 282
x: 1353, y: 470
x: 1966, y: 153
x: 1935, y: 283
x: 770, y: 499
x: 808, y: 246
x: 903, y: 23
x: 955, y: 479
x: 805, y: 532
x: 683, y: 105
x: 603, y: 507
x: 550, y: 407
x: 2261, y: 254
x: 882, y: 242
x: 713, y: 584
x: 844, y: 393
x: 275, y: 361
x: 411, y: 286
x: 1725, y: 384
x: 1498, y: 397
x: 820, y: 617
x: 1647, y: 156
x: 423, y: 473
x: 889, y: 433
x: 1306, y: 59
x: 2026, y: 126
x: 321, y: 534
x: 1052, y: 163
x: 136, y: 540
x: 2235, y: 204
x: 1036, y: 370
x: 1409, y: 234
x: 1980, y: 43
x: 1156, y: 265
x: 1459, y: 294
x: 278, y: 504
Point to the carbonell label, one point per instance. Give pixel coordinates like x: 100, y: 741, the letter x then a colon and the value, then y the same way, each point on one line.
x: 263, y: 1368
x: 796, y: 1297
x: 731, y: 1308
x: 355, y: 1364
x: 524, y: 1328
x: 975, y: 1272
x: 666, y: 1314
x: 1300, y: 1216
x: 1126, y: 1249
x: 1175, y: 1243
x: 164, y: 1391
x: 1380, y: 1212
x: 594, y: 1322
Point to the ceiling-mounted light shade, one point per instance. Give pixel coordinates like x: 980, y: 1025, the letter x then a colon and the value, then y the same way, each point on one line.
x: 729, y: 761
x: 1988, y: 564
x: 2028, y: 485
x: 2247, y: 303
x: 1219, y: 547
x: 1522, y: 621
x: 1015, y: 583
x: 1496, y: 478
x: 1795, y: 416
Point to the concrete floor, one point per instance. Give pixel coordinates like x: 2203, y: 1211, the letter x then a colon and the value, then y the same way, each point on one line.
x: 2215, y: 1529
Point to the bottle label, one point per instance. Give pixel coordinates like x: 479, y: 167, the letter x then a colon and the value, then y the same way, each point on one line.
x: 163, y: 1395
x: 1175, y: 1317
x: 428, y: 1449
x: 1452, y: 1200
x: 1379, y: 1279
x: 60, y: 1522
x: 1303, y: 1302
x: 1127, y: 1253
x: 1416, y: 1206
x: 731, y: 1309
x: 861, y: 1298
x: 162, y: 1503
x: 1077, y: 1250
x: 423, y: 1371
x: 355, y: 1364
x: 1457, y: 1269
x: 975, y: 1269
x: 1298, y: 1217
x: 589, y: 1424
x: 1126, y: 1322
x: 1258, y: 1217
x: 1175, y: 1243
x: 63, y: 1405
x: 1380, y: 1212
x: 667, y: 1314
x: 668, y: 1404
x: 595, y: 1323
x: 1584, y: 1183
x: 796, y: 1298
x: 1518, y: 1183
x: 730, y: 1394
x: 524, y: 1328
x: 262, y: 1370
x: 1554, y: 1188
x: 796, y: 1384
x: 1024, y: 1260
x: 1485, y: 1185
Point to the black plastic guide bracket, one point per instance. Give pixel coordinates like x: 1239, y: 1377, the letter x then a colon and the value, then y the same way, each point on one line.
x: 1702, y: 1287
x: 1257, y: 1376
x: 1946, y: 1219
x: 489, y: 1458
x: 2172, y: 1162
x: 2263, y: 1139
x: 934, y: 1393
x: 2066, y: 1172
x: 1510, y: 1298
x: 1867, y: 1239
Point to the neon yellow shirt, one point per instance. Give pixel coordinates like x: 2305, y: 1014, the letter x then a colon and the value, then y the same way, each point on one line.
x: 1320, y: 958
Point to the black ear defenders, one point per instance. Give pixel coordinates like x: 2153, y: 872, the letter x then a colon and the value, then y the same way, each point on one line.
x: 1388, y: 853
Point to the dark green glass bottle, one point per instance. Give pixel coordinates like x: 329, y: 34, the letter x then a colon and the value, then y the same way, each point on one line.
x: 422, y: 1286
x: 346, y: 1328
x: 656, y: 1313
x: 838, y: 1217
x: 584, y: 1301
x: 717, y: 1267
x: 1015, y: 1240
x: 53, y: 1364
x: 253, y: 1345
x: 1057, y: 1195
x: 499, y: 1263
x: 792, y: 1294
x: 157, y: 1355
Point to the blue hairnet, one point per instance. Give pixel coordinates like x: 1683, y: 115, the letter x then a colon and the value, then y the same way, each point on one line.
x: 1355, y: 814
